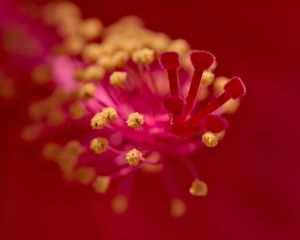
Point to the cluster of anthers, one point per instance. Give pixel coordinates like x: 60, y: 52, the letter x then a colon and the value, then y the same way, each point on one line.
x: 126, y: 98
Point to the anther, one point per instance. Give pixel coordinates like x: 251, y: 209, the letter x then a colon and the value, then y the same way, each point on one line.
x: 198, y: 188
x: 209, y: 139
x: 101, y: 184
x: 109, y: 114
x: 118, y: 78
x: 135, y: 120
x: 93, y: 72
x: 90, y: 28
x: 133, y: 157
x: 177, y: 208
x: 143, y: 56
x: 99, y: 145
x: 119, y: 204
x: 87, y: 91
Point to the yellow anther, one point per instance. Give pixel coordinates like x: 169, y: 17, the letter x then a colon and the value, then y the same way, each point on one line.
x: 99, y: 145
x: 159, y: 42
x: 98, y: 121
x: 203, y: 93
x: 180, y: 46
x: 177, y: 208
x: 87, y: 91
x: 77, y: 110
x: 41, y: 74
x: 119, y: 204
x: 101, y: 184
x: 51, y: 151
x: 74, y: 148
x: 209, y: 139
x: 91, y: 28
x: 109, y: 114
x: 230, y: 106
x: 79, y: 74
x: 7, y: 88
x: 120, y: 58
x: 143, y: 56
x: 219, y: 84
x: 56, y: 117
x: 93, y: 72
x: 92, y: 52
x: 118, y: 78
x: 37, y: 110
x: 84, y: 175
x: 207, y: 78
x: 31, y: 132
x: 68, y: 26
x: 106, y: 61
x: 74, y: 45
x: 58, y: 96
x: 66, y: 161
x: 198, y: 188
x: 133, y: 157
x: 135, y: 120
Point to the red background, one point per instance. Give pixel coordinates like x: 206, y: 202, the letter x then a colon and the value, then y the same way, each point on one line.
x: 253, y: 176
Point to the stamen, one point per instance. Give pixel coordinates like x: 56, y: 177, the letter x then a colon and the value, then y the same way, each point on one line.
x: 143, y: 56
x: 207, y: 78
x: 209, y: 139
x: 74, y: 147
x: 101, y: 184
x: 177, y: 208
x: 91, y: 52
x: 198, y: 188
x: 84, y: 175
x: 133, y: 157
x: 109, y: 113
x: 77, y: 110
x: 118, y: 78
x: 87, y: 91
x: 41, y: 74
x: 119, y: 204
x: 99, y: 145
x: 51, y: 151
x: 98, y: 121
x: 135, y: 120
x: 90, y: 28
x: 93, y: 72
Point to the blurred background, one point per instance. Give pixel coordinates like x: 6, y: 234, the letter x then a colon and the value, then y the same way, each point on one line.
x: 253, y: 176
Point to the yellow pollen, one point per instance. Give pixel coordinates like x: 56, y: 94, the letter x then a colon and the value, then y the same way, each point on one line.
x: 180, y: 46
x: 109, y: 113
x: 207, y: 78
x: 74, y: 45
x: 84, y: 175
x: 231, y: 106
x: 118, y: 78
x: 51, y: 151
x: 219, y: 84
x: 119, y: 204
x: 66, y: 161
x: 203, y: 93
x: 41, y: 74
x: 106, y: 62
x: 101, y: 184
x: 87, y: 91
x: 31, y: 132
x: 91, y: 52
x: 7, y: 88
x: 56, y: 117
x: 74, y: 148
x: 133, y: 157
x: 93, y: 72
x: 79, y: 74
x: 99, y: 145
x: 159, y: 42
x: 143, y: 56
x: 135, y: 120
x: 98, y: 121
x: 91, y: 28
x: 77, y: 111
x: 120, y: 58
x: 209, y: 139
x: 177, y: 208
x: 198, y: 188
